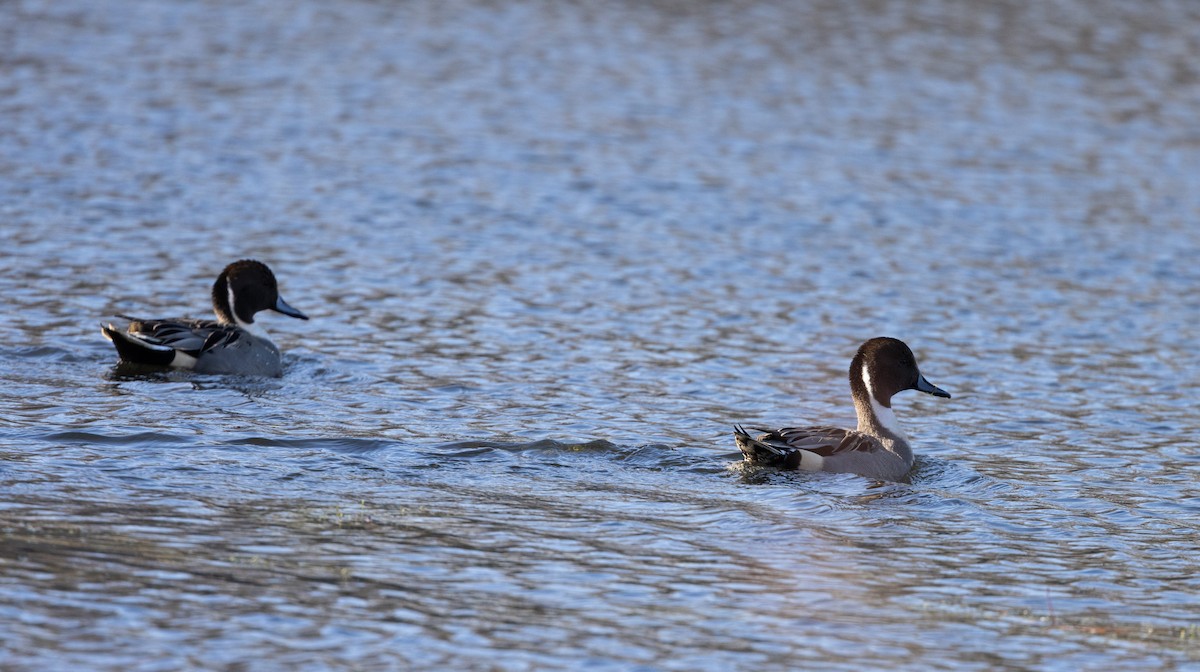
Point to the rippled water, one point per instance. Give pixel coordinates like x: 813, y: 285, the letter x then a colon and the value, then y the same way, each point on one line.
x: 552, y: 252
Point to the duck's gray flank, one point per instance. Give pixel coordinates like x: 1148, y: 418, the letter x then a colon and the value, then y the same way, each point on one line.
x: 233, y: 343
x: 877, y: 448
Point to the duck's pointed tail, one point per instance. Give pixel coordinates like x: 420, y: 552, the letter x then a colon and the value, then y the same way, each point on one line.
x: 751, y: 447
x: 130, y: 348
x: 760, y: 452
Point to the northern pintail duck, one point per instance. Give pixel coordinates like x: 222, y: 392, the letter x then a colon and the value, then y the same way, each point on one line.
x: 878, y: 448
x: 231, y: 344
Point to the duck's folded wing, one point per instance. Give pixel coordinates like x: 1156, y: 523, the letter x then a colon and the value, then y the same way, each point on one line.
x: 189, y: 336
x: 787, y: 448
x: 824, y: 441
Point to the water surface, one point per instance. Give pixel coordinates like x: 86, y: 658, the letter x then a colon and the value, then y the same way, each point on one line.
x: 552, y: 253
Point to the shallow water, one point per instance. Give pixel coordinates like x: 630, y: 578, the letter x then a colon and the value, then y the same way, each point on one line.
x: 551, y: 254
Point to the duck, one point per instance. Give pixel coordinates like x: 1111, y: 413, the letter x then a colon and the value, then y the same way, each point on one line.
x: 877, y: 448
x: 232, y: 344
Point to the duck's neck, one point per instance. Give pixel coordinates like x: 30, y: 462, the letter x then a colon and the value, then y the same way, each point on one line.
x: 222, y: 298
x: 874, y: 416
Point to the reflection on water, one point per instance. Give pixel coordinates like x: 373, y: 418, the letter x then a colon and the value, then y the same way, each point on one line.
x: 553, y: 253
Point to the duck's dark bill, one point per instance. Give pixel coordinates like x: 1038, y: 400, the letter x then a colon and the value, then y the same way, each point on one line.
x: 929, y: 388
x: 282, y: 306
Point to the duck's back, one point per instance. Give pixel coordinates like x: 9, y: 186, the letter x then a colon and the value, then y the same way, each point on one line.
x: 824, y: 448
x: 183, y: 334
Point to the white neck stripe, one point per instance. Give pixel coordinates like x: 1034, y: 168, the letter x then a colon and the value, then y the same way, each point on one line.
x: 884, y: 415
x: 233, y: 309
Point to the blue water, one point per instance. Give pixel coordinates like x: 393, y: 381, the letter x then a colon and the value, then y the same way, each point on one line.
x: 552, y: 253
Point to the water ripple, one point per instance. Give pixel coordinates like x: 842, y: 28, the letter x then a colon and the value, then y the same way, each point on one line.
x: 552, y: 253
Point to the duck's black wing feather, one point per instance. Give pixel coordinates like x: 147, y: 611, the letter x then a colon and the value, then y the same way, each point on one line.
x: 156, y: 341
x: 782, y: 447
